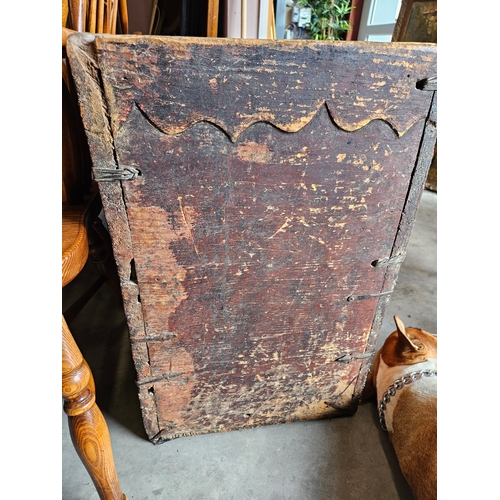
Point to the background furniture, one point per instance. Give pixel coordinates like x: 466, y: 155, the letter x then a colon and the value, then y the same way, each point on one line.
x: 80, y: 210
x: 84, y: 235
x: 417, y: 22
x: 96, y: 16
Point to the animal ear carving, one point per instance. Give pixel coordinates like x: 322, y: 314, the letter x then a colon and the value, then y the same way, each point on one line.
x: 404, y: 341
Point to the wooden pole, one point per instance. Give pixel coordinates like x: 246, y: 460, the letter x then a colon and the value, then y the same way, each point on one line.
x: 153, y: 15
x: 65, y: 10
x: 114, y: 17
x: 212, y: 18
x: 271, y: 23
x: 92, y: 21
x: 100, y: 16
x: 243, y: 18
x: 78, y: 11
x: 124, y: 16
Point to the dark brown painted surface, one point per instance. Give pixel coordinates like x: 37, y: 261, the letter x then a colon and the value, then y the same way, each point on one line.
x: 272, y: 176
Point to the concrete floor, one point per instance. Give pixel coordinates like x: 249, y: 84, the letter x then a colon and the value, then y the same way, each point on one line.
x: 341, y: 458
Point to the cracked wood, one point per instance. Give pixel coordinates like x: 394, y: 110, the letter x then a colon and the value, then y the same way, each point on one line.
x: 273, y: 177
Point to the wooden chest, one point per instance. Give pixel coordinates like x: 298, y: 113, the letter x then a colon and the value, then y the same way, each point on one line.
x: 260, y: 196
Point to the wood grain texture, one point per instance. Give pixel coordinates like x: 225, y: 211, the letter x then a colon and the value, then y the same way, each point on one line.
x: 80, y: 238
x: 273, y: 176
x: 417, y: 22
x: 359, y: 82
x: 65, y: 12
x: 212, y: 18
x: 78, y: 11
x: 87, y: 426
x: 75, y: 247
x: 124, y: 16
x: 92, y: 21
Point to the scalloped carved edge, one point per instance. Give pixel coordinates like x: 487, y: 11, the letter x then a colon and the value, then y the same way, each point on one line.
x: 234, y: 129
x: 173, y: 129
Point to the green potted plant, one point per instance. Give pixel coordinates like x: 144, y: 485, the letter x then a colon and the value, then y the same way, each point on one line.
x: 329, y: 18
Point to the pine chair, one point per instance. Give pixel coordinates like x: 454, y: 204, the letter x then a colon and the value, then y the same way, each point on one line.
x: 83, y: 236
x: 80, y: 217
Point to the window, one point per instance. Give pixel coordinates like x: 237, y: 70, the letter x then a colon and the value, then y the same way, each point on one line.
x: 378, y: 20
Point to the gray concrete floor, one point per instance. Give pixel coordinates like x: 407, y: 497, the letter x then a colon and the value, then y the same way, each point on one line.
x: 341, y: 458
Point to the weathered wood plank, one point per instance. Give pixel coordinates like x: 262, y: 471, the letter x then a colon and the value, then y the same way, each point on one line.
x: 359, y: 81
x: 273, y: 176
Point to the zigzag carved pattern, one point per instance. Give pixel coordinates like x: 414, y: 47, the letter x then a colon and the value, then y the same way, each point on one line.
x: 177, y: 83
x: 291, y: 127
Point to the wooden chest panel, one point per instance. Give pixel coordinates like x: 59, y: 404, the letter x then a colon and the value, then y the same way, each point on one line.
x: 274, y: 182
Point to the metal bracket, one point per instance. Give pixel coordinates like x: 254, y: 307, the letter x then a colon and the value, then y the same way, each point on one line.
x: 368, y: 296
x: 388, y: 261
x: 116, y: 174
x: 428, y: 83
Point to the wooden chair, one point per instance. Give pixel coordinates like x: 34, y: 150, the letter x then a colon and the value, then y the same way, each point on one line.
x: 80, y: 210
x: 260, y: 196
x: 96, y: 16
x: 84, y: 236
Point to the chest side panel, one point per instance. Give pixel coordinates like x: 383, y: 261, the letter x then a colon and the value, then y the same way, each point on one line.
x: 272, y: 177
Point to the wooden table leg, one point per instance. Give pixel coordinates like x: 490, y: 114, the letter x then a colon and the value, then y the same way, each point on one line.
x: 88, y: 428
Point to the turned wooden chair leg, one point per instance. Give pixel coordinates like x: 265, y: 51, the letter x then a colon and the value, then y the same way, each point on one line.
x: 88, y: 428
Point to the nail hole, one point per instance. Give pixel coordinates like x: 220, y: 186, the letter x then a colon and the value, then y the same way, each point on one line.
x: 133, y: 274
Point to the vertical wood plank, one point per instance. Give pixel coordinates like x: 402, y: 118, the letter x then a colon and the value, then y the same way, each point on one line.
x: 212, y: 18
x: 244, y: 16
x: 246, y: 247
